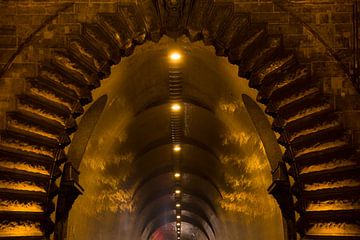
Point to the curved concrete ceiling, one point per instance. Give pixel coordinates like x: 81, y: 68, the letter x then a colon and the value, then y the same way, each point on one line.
x: 128, y: 168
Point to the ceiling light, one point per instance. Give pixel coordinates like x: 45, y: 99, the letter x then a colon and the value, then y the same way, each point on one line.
x: 177, y: 175
x: 175, y: 56
x: 178, y: 216
x: 175, y: 107
x: 177, y: 148
x: 178, y: 205
x: 178, y: 224
x: 177, y: 191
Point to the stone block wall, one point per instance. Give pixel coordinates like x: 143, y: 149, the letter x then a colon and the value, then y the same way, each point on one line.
x: 317, y: 30
x: 323, y: 32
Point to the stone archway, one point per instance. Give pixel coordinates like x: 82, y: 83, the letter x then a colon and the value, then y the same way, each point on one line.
x: 323, y: 161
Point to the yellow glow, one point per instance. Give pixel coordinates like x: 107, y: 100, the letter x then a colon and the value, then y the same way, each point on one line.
x: 21, y: 229
x: 177, y: 148
x: 177, y: 191
x: 21, y: 185
x: 175, y: 56
x: 178, y: 224
x: 178, y: 205
x: 178, y: 216
x: 177, y: 175
x: 175, y: 107
x: 16, y: 206
x: 25, y: 167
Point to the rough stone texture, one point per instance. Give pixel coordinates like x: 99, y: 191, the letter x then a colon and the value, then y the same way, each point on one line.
x: 314, y: 29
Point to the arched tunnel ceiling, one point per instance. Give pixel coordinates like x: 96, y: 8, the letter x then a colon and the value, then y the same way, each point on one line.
x: 321, y: 147
x: 128, y: 167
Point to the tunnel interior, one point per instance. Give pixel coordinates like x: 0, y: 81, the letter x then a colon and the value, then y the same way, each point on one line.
x: 129, y: 166
x: 170, y: 141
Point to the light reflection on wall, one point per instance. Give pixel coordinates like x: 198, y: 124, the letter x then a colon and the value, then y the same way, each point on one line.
x: 24, y: 167
x: 14, y: 205
x: 24, y: 228
x: 333, y: 205
x: 251, y: 213
x: 21, y: 185
x: 334, y: 229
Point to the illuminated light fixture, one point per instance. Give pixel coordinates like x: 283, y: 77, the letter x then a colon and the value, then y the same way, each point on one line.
x: 177, y: 175
x: 178, y: 205
x: 178, y: 238
x: 177, y: 191
x: 178, y: 216
x: 177, y: 148
x: 178, y: 224
x: 175, y: 56
x: 175, y: 107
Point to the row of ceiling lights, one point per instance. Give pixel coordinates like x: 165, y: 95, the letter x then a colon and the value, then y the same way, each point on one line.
x: 176, y: 107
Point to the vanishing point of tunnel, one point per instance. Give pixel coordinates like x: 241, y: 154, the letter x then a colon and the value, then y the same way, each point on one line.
x: 179, y: 120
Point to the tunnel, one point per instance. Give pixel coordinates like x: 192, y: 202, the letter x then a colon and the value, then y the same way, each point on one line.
x: 178, y: 136
x: 174, y: 119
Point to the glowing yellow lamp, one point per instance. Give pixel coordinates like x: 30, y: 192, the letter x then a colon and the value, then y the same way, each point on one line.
x: 177, y: 148
x: 175, y: 56
x: 175, y: 107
